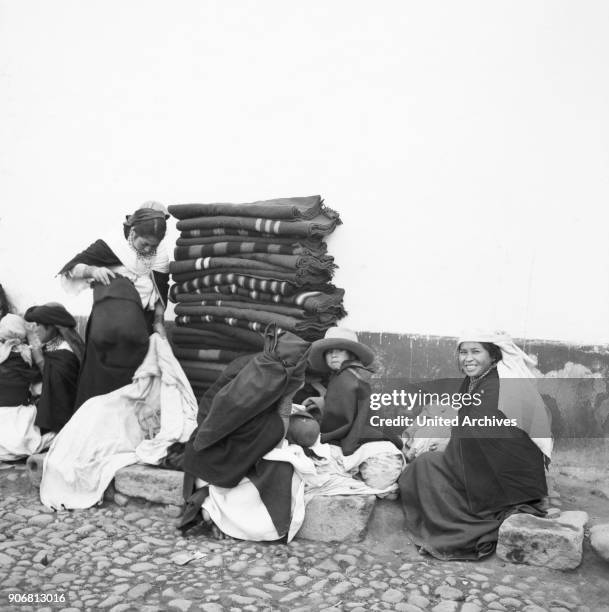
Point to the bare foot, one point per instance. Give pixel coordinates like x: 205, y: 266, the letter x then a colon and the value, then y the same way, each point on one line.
x: 216, y: 534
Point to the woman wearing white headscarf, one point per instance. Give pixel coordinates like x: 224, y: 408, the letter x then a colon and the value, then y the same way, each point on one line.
x: 494, y: 464
x: 19, y: 436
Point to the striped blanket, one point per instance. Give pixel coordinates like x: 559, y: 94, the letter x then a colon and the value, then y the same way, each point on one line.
x: 240, y: 247
x: 321, y: 225
x: 256, y: 321
x: 206, y: 355
x: 255, y: 261
x: 315, y: 245
x: 241, y: 280
x: 243, y: 338
x: 298, y: 278
x: 190, y: 338
x: 278, y: 208
x: 329, y: 300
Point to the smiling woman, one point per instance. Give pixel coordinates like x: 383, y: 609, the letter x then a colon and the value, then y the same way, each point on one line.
x: 129, y: 277
x: 454, y: 501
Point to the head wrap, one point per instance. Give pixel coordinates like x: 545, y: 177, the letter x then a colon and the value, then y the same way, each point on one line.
x: 52, y: 313
x: 12, y: 338
x: 519, y: 399
x: 146, y: 212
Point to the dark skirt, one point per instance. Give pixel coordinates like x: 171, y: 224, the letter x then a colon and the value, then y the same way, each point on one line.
x: 118, y: 333
x: 445, y: 509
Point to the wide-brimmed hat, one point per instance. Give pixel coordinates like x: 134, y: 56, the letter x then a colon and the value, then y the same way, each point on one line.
x: 338, y: 338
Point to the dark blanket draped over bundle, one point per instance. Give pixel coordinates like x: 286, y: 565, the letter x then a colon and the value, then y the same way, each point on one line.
x: 59, y: 384
x: 320, y: 225
x: 238, y: 418
x: 117, y: 339
x: 455, y: 501
x: 280, y: 208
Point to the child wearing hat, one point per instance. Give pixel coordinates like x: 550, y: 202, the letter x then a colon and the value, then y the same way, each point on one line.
x: 346, y: 406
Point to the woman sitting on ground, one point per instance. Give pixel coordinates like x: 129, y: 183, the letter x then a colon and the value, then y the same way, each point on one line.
x: 57, y: 350
x: 494, y: 464
x: 129, y: 275
x: 19, y: 436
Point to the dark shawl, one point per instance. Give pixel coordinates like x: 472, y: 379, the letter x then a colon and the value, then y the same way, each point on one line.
x: 346, y: 413
x: 101, y: 255
x: 455, y: 501
x: 59, y: 384
x: 15, y: 379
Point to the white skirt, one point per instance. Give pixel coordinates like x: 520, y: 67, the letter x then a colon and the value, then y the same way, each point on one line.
x: 19, y: 437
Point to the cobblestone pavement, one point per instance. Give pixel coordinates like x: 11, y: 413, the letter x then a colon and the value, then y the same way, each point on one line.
x: 127, y: 558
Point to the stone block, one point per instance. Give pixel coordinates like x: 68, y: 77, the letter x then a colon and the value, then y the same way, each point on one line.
x: 553, y: 543
x: 34, y: 465
x: 150, y: 483
x: 599, y: 539
x: 337, y: 518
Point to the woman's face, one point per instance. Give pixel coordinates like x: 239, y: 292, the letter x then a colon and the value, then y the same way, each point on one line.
x: 336, y: 357
x: 145, y: 244
x: 44, y: 332
x: 474, y: 359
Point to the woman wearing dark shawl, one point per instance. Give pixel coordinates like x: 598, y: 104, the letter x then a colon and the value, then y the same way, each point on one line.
x: 129, y: 275
x: 494, y: 464
x: 57, y: 350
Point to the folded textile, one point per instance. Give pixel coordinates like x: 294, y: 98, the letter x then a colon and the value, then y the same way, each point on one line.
x: 241, y: 280
x: 206, y: 355
x: 255, y: 261
x: 299, y: 277
x: 279, y: 208
x: 320, y: 225
x: 329, y: 300
x: 313, y: 244
x: 241, y: 302
x: 194, y: 337
x: 255, y: 320
x: 241, y: 247
x: 245, y: 336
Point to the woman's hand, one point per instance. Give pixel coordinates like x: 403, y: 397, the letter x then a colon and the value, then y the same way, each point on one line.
x: 101, y: 275
x: 159, y: 328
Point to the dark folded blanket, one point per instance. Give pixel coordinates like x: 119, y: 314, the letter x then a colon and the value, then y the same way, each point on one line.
x: 257, y: 320
x: 298, y: 278
x: 238, y: 280
x: 320, y: 225
x: 278, y: 208
x: 197, y: 364
x: 200, y: 375
x: 240, y: 248
x: 329, y: 300
x: 191, y: 338
x: 316, y: 245
x: 255, y: 261
x: 242, y: 337
x: 236, y: 301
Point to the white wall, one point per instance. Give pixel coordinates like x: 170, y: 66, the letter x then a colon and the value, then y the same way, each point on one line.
x: 466, y: 144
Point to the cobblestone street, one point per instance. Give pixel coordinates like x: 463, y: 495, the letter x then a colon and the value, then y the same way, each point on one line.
x: 128, y: 558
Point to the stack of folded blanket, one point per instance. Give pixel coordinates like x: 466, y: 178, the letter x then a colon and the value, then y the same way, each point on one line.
x: 240, y: 267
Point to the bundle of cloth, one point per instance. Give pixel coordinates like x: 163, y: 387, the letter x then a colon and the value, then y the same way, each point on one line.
x: 136, y: 423
x: 241, y: 267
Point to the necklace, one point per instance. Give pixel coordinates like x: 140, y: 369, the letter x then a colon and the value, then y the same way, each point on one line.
x: 473, y: 382
x: 53, y: 344
x: 146, y: 259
